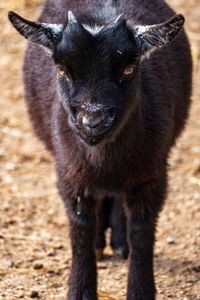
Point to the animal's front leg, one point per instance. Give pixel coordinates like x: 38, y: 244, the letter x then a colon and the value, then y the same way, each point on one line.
x: 143, y: 207
x: 82, y: 282
x: 82, y: 220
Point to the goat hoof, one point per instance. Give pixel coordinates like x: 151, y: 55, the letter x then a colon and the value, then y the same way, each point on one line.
x: 99, y: 254
x: 121, y: 252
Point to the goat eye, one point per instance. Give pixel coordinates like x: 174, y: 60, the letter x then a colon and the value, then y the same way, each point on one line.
x: 128, y: 70
x: 62, y: 71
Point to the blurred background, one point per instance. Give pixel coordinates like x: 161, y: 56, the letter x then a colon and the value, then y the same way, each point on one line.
x: 34, y: 246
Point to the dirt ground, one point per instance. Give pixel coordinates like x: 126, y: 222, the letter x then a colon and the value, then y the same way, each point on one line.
x: 35, y: 254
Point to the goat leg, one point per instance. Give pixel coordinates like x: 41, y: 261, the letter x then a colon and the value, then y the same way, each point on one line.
x: 142, y: 213
x: 82, y: 220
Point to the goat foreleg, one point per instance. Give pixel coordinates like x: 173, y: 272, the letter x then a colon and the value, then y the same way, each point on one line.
x: 143, y: 207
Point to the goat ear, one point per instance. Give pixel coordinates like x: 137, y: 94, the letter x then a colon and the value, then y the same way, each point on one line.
x: 43, y: 34
x: 149, y: 38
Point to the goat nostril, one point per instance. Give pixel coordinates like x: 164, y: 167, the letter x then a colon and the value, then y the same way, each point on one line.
x: 74, y: 111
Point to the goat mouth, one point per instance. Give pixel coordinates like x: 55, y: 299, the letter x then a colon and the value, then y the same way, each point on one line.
x: 93, y: 136
x: 91, y: 140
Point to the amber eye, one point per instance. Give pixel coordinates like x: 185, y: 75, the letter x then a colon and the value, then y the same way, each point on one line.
x: 128, y: 70
x: 62, y: 71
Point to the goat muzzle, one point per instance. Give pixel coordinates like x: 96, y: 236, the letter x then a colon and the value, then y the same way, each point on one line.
x: 95, y: 123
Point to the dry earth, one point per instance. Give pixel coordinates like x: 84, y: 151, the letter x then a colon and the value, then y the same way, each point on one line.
x: 34, y: 246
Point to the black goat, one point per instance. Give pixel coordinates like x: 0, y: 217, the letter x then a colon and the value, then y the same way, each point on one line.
x: 109, y: 119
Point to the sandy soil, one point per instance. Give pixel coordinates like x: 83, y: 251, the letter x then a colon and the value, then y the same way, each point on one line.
x: 34, y: 245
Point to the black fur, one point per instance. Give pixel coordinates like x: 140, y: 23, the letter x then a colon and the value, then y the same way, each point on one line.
x: 110, y: 133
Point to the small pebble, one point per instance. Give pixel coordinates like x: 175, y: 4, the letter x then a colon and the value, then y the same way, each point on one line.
x: 34, y: 294
x: 51, y: 273
x: 59, y: 247
x: 37, y: 266
x: 170, y: 240
x: 6, y: 263
x: 52, y: 253
x: 197, y: 269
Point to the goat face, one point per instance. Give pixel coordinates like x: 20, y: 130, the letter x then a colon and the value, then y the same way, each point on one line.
x: 97, y: 67
x: 96, y: 75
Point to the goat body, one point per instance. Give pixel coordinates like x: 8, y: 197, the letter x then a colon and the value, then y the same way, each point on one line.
x: 110, y: 134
